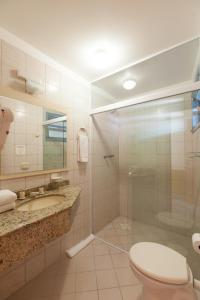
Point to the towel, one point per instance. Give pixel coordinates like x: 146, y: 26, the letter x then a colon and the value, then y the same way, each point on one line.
x: 6, y: 118
x: 7, y: 197
x: 7, y: 207
x: 82, y: 148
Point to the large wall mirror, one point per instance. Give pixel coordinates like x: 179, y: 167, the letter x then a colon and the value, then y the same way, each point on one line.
x: 35, y: 140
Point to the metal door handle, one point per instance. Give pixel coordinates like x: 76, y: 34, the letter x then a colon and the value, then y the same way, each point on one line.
x: 108, y: 156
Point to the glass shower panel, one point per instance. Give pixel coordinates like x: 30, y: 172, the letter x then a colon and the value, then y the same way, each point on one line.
x: 105, y: 160
x: 157, y: 192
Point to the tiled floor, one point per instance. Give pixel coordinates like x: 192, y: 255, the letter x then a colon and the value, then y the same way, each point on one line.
x: 124, y: 232
x: 98, y: 272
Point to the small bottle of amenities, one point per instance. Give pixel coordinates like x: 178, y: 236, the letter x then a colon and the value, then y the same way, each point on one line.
x: 22, y: 195
x: 41, y: 190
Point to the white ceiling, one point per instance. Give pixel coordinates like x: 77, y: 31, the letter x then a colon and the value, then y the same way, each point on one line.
x: 169, y: 68
x: 70, y: 30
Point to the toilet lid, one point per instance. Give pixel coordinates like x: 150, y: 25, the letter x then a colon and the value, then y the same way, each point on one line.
x: 160, y: 262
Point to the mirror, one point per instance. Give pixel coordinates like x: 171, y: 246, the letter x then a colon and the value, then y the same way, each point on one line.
x: 36, y: 138
x: 175, y: 66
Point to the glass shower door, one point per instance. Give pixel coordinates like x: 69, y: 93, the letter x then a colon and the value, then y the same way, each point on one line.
x: 158, y: 177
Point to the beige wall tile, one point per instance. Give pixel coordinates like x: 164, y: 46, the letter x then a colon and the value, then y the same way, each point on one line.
x: 35, y: 70
x: 13, y: 61
x: 13, y: 57
x: 9, y: 78
x: 35, y: 181
x: 52, y: 252
x: 12, y: 281
x: 13, y: 185
x: 53, y: 84
x: 1, y: 61
x: 35, y: 265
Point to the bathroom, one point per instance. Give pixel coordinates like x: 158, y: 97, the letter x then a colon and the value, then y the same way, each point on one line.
x: 99, y: 150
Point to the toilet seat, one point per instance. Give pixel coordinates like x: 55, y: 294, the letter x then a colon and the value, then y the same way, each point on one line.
x: 160, y: 263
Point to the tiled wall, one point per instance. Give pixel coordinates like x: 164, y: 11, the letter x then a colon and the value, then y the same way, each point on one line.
x: 74, y: 95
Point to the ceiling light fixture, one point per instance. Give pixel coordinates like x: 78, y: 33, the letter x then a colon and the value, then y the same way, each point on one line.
x: 129, y: 84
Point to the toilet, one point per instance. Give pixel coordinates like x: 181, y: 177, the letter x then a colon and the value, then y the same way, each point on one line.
x: 164, y: 273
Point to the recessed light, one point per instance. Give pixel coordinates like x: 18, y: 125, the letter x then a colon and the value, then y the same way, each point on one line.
x: 101, y: 59
x: 129, y: 84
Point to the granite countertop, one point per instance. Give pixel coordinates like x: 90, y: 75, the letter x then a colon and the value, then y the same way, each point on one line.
x: 15, y: 219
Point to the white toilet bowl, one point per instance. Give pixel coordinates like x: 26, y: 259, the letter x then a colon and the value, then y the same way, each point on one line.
x: 164, y: 273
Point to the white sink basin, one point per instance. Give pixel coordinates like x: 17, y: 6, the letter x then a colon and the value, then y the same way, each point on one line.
x: 42, y: 202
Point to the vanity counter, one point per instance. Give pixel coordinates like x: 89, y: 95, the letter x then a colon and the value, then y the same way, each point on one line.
x: 24, y: 232
x: 13, y: 220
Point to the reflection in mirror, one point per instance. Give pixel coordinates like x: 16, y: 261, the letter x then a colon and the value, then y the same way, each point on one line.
x: 175, y: 66
x: 54, y: 140
x: 36, y: 139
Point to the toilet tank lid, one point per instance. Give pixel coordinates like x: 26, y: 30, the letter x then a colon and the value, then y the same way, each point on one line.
x: 160, y: 262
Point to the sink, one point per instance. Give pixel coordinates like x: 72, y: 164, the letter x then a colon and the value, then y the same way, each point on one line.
x: 41, y: 202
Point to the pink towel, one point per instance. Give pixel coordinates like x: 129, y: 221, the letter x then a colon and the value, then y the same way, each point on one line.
x: 6, y: 118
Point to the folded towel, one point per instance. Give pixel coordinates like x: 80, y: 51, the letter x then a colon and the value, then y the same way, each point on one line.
x: 7, y: 197
x: 6, y: 202
x: 7, y: 207
x: 82, y: 148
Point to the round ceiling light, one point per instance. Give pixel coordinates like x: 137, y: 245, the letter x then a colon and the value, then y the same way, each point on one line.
x: 101, y: 59
x: 129, y: 84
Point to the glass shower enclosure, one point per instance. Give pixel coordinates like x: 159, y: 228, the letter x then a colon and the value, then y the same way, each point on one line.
x: 146, y: 154
x: 146, y: 175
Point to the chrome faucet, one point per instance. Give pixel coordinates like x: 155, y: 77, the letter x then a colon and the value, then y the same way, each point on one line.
x: 34, y: 194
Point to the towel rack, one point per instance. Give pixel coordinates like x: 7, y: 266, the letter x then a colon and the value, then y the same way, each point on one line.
x: 82, y: 145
